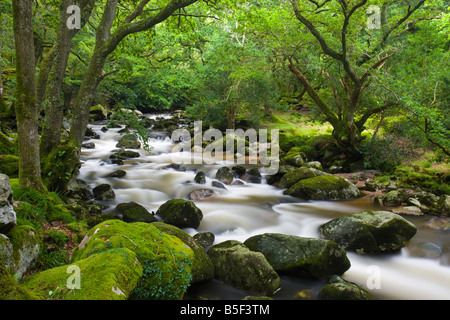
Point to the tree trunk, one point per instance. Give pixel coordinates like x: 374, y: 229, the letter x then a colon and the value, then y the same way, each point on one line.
x: 26, y: 106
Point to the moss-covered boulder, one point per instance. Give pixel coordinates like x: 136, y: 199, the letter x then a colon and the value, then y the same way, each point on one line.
x: 202, y: 268
x: 103, y: 192
x: 9, y: 288
x: 369, y: 231
x: 307, y: 257
x: 325, y: 187
x: 9, y: 165
x: 134, y: 212
x: 166, y: 260
x: 340, y: 289
x: 239, y: 267
x: 98, y: 113
x: 107, y: 275
x: 181, y: 213
x: 20, y: 247
x: 129, y: 141
x: 294, y: 176
x: 295, y: 157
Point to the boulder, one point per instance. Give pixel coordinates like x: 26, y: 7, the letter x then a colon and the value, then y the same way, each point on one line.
x: 9, y: 288
x: 307, y: 257
x: 7, y: 213
x: 181, y: 213
x: 294, y: 176
x: 166, y: 260
x: 98, y: 113
x: 103, y: 192
x: 340, y: 289
x: 117, y: 174
x: 129, y: 141
x: 200, y: 177
x: 242, y: 268
x: 325, y: 187
x: 224, y: 175
x: 20, y: 248
x: 202, y: 268
x: 205, y: 239
x: 134, y: 212
x: 294, y: 157
x: 106, y: 275
x: 369, y: 231
x: 393, y: 198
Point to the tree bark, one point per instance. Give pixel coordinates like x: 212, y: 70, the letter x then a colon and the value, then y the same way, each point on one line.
x: 26, y: 106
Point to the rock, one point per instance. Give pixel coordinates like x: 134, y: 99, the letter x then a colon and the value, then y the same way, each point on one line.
x: 408, y: 210
x: 307, y: 257
x: 166, y: 260
x: 91, y: 134
x: 181, y: 213
x: 294, y: 176
x: 76, y: 189
x: 205, y: 239
x: 88, y: 145
x: 294, y: 157
x: 393, y: 198
x: 340, y: 289
x: 128, y: 141
x: 20, y: 248
x: 125, y: 154
x: 444, y: 205
x: 9, y: 288
x: 117, y: 174
x: 201, y: 194
x: 106, y: 275
x: 437, y: 223
x: 7, y: 213
x: 325, y: 187
x: 254, y: 176
x: 242, y: 268
x: 200, y: 177
x: 391, y: 186
x: 98, y: 113
x: 369, y: 231
x: 239, y: 170
x: 314, y: 164
x: 103, y: 192
x: 134, y: 212
x: 224, y: 175
x: 218, y: 184
x: 202, y: 268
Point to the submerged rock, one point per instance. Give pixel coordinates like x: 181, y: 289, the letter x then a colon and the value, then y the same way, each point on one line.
x: 242, y: 268
x: 201, y: 194
x: 181, y: 213
x: 308, y: 257
x: 324, y: 187
x: 370, y: 231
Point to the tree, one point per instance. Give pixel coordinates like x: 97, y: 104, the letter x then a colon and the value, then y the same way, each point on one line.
x: 355, y: 63
x: 26, y: 107
x: 106, y: 42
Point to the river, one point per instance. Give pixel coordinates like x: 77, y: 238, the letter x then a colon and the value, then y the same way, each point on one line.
x: 421, y: 270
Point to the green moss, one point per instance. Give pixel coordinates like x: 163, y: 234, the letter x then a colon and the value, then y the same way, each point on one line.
x: 295, y: 157
x: 9, y: 289
x: 6, y: 145
x: 108, y: 275
x: 324, y: 187
x: 9, y: 165
x: 166, y: 260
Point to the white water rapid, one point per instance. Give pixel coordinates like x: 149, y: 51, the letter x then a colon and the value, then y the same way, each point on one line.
x: 245, y: 210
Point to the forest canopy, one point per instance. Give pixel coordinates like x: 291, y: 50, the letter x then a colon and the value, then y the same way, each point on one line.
x: 375, y: 73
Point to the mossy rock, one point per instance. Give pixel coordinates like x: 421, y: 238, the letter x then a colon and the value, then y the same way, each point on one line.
x: 109, y: 275
x: 98, y: 113
x: 128, y: 141
x: 224, y: 175
x: 202, y: 268
x: 325, y: 187
x: 181, y: 213
x: 9, y: 288
x: 294, y: 176
x: 306, y: 257
x: 295, y: 157
x: 242, y: 268
x: 285, y: 141
x: 6, y: 145
x: 340, y: 289
x: 166, y: 260
x: 134, y: 212
x: 369, y: 231
x: 9, y: 165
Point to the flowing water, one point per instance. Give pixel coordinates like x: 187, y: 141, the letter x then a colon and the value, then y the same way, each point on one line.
x: 421, y: 270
